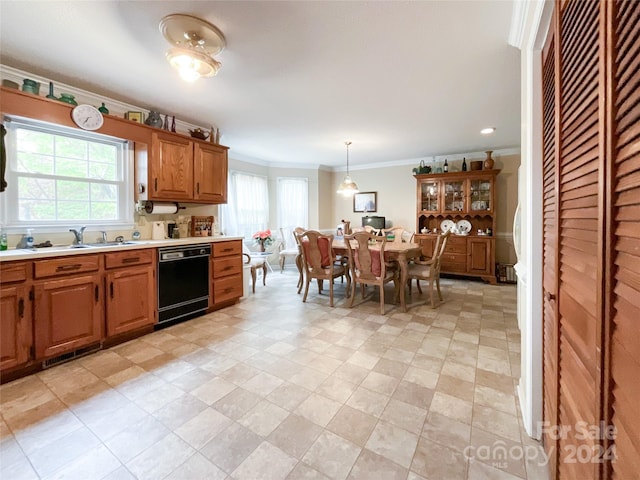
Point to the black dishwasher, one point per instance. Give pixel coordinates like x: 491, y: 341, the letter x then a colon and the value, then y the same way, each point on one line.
x: 183, y: 282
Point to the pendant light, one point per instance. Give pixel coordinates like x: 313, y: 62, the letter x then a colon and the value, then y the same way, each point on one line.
x: 348, y: 187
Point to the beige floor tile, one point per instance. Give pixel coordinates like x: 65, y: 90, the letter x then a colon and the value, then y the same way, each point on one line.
x: 380, y: 383
x: 446, y: 431
x: 393, y: 443
x: 116, y: 421
x: 203, y: 427
x: 434, y: 461
x: 158, y: 398
x: 235, y: 404
x: 413, y: 394
x: 422, y: 377
x: 264, y: 418
x: 368, y: 401
x: 371, y: 465
x: 20, y: 469
x: 363, y: 360
x: 483, y: 442
x: 497, y: 422
x: 452, y: 407
x: 481, y: 471
x: 197, y: 467
x: 213, y: 390
x: 262, y: 384
x: 266, y: 462
x: 504, y: 383
x: 456, y: 387
x: 95, y: 463
x: 40, y: 434
x: 490, y: 397
x: 305, y: 472
x: 318, y: 409
x: 240, y: 373
x: 180, y: 411
x: 295, y: 435
x: 353, y: 425
x: 336, y: 389
x: 161, y: 458
x: 351, y: 373
x: 332, y: 455
x: 404, y: 415
x: 458, y: 370
x: 135, y: 439
x: 288, y: 396
x: 230, y: 447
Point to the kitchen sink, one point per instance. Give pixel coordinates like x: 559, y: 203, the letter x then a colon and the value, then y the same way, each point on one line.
x: 106, y: 244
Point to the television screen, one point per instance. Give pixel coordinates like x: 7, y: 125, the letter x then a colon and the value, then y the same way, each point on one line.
x: 375, y: 222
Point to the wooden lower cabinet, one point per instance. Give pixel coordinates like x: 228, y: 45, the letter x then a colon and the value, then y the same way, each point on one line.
x: 16, y: 337
x: 464, y: 255
x: 226, y: 272
x: 68, y: 314
x: 130, y: 283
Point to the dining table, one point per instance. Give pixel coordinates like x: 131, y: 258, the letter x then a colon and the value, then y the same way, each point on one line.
x: 400, y: 252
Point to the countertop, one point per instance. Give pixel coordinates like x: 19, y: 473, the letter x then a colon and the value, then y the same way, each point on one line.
x: 65, y: 250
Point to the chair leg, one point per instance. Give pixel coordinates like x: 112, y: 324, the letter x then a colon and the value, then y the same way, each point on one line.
x: 253, y: 279
x: 382, y: 299
x: 282, y: 257
x: 331, y: 293
x: 438, y: 287
x: 300, y: 272
x: 353, y: 294
x: 306, y: 289
x: 431, y: 293
x: 418, y: 284
x: 264, y: 274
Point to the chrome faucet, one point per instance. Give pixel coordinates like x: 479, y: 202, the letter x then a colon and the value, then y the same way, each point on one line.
x: 78, y: 235
x: 104, y: 236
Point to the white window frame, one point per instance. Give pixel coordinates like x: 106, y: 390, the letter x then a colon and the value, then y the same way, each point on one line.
x: 124, y: 184
x: 282, y: 204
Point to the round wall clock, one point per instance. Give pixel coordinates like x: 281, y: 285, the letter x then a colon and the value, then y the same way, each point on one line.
x: 87, y: 117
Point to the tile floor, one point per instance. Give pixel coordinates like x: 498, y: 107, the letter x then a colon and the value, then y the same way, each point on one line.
x: 273, y: 388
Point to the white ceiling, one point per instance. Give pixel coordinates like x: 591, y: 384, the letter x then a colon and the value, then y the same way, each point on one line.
x: 401, y: 80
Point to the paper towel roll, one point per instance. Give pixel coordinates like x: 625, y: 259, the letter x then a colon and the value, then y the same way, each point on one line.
x: 160, y: 208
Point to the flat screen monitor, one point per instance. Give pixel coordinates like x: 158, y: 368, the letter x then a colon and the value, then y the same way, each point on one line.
x: 374, y: 221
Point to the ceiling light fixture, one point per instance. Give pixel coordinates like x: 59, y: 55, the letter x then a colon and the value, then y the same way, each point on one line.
x: 488, y: 130
x: 348, y: 187
x: 194, y: 43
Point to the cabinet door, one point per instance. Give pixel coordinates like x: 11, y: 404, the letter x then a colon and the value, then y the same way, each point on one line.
x: 15, y: 334
x: 479, y: 256
x: 428, y: 196
x: 454, y: 196
x: 131, y: 299
x: 427, y: 244
x: 67, y: 314
x: 171, y: 168
x: 210, y: 173
x: 481, y: 195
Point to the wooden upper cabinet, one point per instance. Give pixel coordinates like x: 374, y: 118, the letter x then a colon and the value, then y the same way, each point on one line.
x: 171, y: 167
x: 210, y: 172
x: 183, y: 169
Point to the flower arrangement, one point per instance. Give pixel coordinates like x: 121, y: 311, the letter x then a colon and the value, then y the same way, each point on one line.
x: 263, y: 238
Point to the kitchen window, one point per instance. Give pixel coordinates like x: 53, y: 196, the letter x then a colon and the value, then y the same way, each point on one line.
x: 293, y: 202
x: 59, y: 176
x: 247, y: 209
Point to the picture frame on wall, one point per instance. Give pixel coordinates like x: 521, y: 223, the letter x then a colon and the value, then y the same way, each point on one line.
x: 365, y: 202
x: 134, y: 116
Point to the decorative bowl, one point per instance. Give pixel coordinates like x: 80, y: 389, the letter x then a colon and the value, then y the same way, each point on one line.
x: 199, y: 133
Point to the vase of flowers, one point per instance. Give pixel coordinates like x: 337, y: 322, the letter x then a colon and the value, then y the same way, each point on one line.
x: 263, y: 239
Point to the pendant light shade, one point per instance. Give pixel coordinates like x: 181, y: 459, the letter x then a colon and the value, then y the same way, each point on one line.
x: 348, y: 187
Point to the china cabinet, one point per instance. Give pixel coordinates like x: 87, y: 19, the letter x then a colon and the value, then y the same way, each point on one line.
x: 464, y: 198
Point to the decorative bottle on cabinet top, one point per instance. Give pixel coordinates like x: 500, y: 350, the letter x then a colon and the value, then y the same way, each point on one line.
x: 464, y: 164
x: 445, y: 167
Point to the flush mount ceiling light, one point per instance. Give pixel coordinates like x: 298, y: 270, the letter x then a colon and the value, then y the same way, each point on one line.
x: 348, y: 187
x: 488, y: 130
x: 194, y: 43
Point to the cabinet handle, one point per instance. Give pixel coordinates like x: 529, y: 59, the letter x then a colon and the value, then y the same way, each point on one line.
x: 111, y: 289
x: 66, y: 268
x: 198, y: 188
x: 21, y: 308
x: 131, y: 260
x: 227, y: 268
x: 549, y: 296
x: 155, y: 185
x: 97, y: 293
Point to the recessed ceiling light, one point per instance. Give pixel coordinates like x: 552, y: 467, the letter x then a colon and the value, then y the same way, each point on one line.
x: 488, y: 130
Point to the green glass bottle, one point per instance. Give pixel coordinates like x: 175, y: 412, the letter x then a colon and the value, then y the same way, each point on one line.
x: 103, y: 109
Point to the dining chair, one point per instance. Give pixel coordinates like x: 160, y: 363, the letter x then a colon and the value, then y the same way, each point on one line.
x: 368, y: 265
x: 400, y: 234
x: 429, y: 270
x: 256, y: 263
x: 290, y: 247
x: 319, y: 262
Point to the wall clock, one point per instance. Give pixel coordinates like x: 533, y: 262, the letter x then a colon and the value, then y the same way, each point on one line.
x: 87, y: 117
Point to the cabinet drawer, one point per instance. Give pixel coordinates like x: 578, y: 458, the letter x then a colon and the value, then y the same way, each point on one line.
x: 454, y: 262
x: 453, y: 267
x: 14, y: 272
x: 227, y: 288
x: 125, y: 259
x: 67, y: 265
x: 222, y: 249
x: 224, y: 267
x: 456, y: 245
